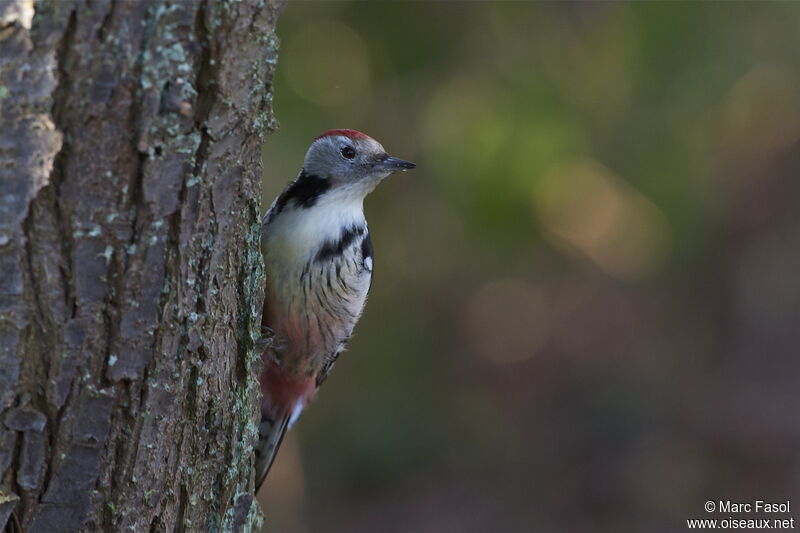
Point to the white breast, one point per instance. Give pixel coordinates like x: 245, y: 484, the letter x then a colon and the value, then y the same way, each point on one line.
x: 313, y: 315
x: 296, y: 234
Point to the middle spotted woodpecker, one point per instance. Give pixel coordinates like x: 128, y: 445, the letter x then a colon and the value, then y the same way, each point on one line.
x: 318, y: 257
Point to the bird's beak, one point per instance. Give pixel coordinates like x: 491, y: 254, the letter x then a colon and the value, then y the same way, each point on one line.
x: 393, y: 164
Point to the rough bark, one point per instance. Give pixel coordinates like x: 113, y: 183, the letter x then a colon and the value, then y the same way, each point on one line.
x: 130, y: 276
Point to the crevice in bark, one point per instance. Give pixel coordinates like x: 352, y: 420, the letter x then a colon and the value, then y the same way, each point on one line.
x: 61, y: 95
x: 141, y: 272
x: 101, y: 31
x: 182, y: 502
x: 155, y: 525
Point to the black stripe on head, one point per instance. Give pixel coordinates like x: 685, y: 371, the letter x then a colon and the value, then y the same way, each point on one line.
x: 336, y: 248
x: 304, y: 191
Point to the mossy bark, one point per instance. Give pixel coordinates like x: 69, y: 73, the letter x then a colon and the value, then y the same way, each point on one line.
x: 130, y: 272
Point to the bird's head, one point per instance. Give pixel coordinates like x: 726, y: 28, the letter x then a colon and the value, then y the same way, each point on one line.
x: 349, y: 158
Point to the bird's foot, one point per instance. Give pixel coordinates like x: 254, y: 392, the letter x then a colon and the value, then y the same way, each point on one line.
x: 267, y: 337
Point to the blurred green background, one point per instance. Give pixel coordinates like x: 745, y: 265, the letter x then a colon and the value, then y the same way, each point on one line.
x: 586, y: 301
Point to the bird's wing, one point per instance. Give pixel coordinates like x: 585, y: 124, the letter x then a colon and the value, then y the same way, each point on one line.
x: 365, y: 269
x: 327, y: 367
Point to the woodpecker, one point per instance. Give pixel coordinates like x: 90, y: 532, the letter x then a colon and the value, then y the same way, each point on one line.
x: 318, y: 257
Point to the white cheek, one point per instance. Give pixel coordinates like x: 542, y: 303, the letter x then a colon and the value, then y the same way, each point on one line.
x: 368, y: 263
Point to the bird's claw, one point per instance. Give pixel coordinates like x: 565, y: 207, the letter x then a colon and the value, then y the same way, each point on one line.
x: 264, y: 342
x: 267, y: 337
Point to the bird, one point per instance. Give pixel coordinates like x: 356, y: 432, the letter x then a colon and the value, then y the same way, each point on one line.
x: 318, y: 259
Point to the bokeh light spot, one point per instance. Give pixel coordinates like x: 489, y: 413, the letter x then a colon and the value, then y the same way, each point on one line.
x: 584, y: 206
x: 763, y: 111
x: 463, y: 122
x: 327, y: 63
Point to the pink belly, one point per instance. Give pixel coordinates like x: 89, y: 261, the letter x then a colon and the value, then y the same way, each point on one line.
x: 283, y: 393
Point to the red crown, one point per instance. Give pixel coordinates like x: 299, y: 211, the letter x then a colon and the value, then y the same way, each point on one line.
x: 350, y: 134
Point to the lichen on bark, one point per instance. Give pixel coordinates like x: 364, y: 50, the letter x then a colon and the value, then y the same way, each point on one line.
x: 130, y: 277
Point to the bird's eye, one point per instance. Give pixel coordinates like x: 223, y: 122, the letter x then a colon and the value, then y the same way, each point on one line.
x: 348, y: 152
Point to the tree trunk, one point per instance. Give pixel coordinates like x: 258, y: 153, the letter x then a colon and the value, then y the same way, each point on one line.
x: 130, y: 271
